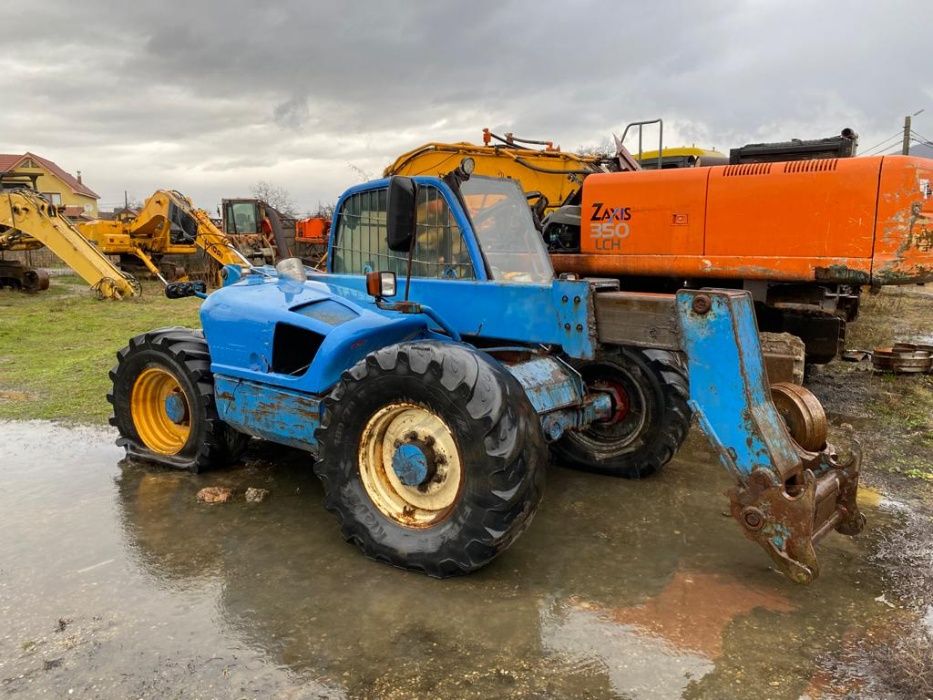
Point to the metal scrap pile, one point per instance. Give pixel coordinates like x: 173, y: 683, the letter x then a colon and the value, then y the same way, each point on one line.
x: 903, y: 358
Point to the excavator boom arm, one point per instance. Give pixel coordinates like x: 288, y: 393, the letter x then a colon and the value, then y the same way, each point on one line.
x: 168, y: 223
x: 214, y: 242
x: 27, y: 221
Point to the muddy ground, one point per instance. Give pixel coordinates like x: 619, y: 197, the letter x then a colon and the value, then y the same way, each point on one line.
x: 116, y: 582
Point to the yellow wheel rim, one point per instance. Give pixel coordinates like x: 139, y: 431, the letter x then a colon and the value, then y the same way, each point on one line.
x: 160, y: 411
x: 414, y: 499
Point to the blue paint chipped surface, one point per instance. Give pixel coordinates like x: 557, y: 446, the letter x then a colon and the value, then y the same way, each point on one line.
x: 265, y: 412
x: 548, y: 384
x: 410, y: 464
x: 240, y: 322
x: 727, y: 382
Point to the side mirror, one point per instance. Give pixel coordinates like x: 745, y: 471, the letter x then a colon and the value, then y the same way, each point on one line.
x: 401, y: 213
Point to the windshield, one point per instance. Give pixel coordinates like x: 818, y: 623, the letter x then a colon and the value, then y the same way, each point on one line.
x: 506, y: 232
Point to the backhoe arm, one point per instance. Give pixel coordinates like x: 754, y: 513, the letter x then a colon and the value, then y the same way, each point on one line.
x: 215, y: 242
x: 208, y: 237
x: 28, y: 221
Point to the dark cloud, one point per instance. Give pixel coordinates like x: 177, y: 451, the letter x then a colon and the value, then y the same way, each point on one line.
x: 209, y: 97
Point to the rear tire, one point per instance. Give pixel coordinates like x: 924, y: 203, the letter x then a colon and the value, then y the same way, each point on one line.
x: 35, y: 280
x: 646, y: 434
x: 480, y: 423
x: 163, y: 402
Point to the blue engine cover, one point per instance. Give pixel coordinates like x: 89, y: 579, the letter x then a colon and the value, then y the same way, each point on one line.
x: 334, y: 327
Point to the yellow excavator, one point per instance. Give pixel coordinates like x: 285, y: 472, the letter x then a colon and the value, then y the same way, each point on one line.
x: 29, y: 222
x: 168, y: 224
x: 550, y: 177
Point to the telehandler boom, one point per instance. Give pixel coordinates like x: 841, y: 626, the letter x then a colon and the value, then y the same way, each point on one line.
x: 29, y: 222
x: 430, y: 418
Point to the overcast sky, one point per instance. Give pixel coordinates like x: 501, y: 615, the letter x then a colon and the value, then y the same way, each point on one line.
x: 210, y: 97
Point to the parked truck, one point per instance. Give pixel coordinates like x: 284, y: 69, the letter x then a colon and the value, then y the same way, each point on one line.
x: 438, y: 361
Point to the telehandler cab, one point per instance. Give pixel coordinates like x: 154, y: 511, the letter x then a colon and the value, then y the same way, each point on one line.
x: 430, y: 418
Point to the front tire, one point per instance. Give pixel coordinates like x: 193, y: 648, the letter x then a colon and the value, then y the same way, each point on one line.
x: 431, y: 457
x: 650, y: 392
x: 163, y: 402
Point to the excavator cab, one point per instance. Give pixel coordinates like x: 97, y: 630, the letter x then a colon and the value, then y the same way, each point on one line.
x: 183, y: 226
x: 258, y: 230
x: 13, y: 180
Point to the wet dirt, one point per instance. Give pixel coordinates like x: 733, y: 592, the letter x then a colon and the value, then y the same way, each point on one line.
x: 116, y: 582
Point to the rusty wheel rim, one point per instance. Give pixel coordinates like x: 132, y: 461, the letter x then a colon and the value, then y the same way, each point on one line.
x: 803, y: 415
x: 630, y: 408
x: 393, y: 434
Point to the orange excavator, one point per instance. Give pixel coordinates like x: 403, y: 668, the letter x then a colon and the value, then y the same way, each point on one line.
x: 805, y: 237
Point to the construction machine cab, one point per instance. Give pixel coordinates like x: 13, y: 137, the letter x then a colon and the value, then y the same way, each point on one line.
x: 13, y: 180
x: 468, y: 228
x: 260, y: 231
x: 183, y: 227
x: 241, y: 216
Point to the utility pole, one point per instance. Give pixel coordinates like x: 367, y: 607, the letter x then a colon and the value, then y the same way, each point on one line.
x: 905, y: 149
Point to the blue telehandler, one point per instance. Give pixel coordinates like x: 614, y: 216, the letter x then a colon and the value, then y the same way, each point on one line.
x: 437, y: 364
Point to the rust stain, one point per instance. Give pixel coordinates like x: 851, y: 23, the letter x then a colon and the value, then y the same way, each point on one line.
x: 693, y: 610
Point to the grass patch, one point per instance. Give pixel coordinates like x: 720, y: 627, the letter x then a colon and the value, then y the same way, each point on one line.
x: 56, y: 347
x: 896, y: 314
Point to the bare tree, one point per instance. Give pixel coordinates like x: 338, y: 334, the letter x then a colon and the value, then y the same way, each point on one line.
x: 323, y: 211
x: 604, y: 149
x: 364, y: 175
x: 276, y: 196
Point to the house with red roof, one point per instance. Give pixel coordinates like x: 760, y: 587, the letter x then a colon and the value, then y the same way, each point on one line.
x: 77, y: 200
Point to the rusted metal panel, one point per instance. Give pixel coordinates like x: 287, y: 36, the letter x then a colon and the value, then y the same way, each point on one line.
x: 637, y: 318
x: 548, y: 383
x: 785, y: 355
x: 904, y: 232
x: 264, y: 411
x: 745, y: 267
x: 787, y: 497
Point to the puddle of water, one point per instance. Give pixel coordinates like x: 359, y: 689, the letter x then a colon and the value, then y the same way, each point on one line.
x: 114, y: 580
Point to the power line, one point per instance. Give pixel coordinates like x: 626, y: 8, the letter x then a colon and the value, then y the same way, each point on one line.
x: 883, y: 144
x: 882, y: 147
x: 896, y: 151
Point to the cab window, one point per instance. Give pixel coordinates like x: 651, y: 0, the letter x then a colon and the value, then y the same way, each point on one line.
x: 241, y: 217
x: 360, y: 243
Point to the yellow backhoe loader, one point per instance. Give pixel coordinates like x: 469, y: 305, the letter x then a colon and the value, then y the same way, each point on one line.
x: 29, y: 222
x: 167, y: 225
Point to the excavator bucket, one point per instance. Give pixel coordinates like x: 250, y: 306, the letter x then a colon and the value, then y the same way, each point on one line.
x: 788, y: 495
